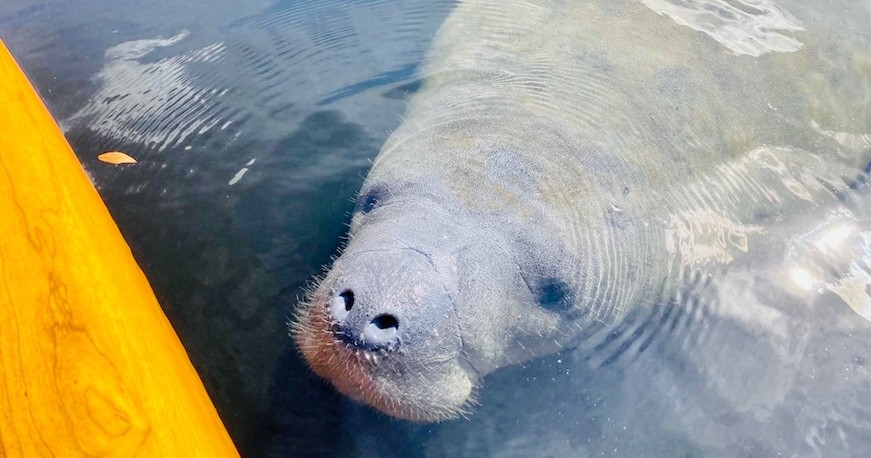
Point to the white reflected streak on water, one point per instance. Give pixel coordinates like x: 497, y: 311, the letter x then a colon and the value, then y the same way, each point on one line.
x: 803, y: 255
x: 155, y: 103
x: 744, y: 27
x: 853, y: 142
x: 241, y: 173
x: 706, y: 236
x: 802, y: 278
x: 835, y: 256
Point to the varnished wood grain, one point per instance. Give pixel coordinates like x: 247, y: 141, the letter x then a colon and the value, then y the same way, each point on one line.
x: 89, y: 365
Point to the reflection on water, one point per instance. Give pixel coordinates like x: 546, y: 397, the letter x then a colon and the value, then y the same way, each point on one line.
x: 835, y: 256
x: 254, y: 124
x: 745, y: 27
x: 153, y: 103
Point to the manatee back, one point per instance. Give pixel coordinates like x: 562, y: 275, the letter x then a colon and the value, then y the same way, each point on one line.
x: 592, y: 124
x: 636, y: 95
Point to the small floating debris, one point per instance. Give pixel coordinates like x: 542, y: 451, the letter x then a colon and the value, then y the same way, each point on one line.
x: 116, y: 158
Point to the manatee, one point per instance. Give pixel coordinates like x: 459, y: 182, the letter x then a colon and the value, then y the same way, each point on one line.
x: 565, y: 163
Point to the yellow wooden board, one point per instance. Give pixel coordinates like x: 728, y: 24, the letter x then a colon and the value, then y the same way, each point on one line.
x: 89, y: 364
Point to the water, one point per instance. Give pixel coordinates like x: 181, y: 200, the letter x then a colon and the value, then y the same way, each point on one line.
x: 254, y: 124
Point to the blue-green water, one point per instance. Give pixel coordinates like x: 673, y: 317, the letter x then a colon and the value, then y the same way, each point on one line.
x: 300, y: 96
x: 254, y: 124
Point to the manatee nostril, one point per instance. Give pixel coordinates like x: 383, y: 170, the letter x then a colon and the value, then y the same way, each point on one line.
x: 348, y: 296
x: 340, y: 305
x: 385, y: 322
x: 382, y: 333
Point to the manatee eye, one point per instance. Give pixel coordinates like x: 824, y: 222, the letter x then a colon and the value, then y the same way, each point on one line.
x: 371, y: 199
x: 552, y: 294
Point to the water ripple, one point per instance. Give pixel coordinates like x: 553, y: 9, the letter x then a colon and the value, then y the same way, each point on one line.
x: 750, y: 28
x: 150, y: 102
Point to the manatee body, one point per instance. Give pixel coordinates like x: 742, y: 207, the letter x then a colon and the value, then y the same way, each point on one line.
x: 567, y: 162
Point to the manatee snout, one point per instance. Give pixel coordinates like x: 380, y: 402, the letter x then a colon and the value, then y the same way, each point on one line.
x: 380, y: 333
x: 377, y: 297
x: 381, y: 326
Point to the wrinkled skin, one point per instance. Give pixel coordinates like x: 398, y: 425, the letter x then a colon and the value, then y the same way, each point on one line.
x: 544, y: 179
